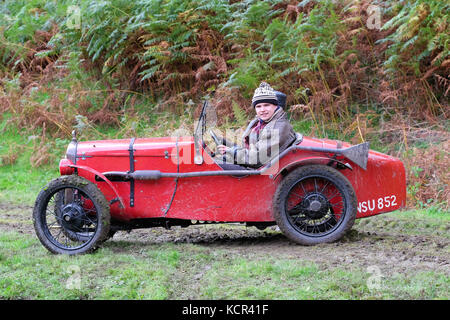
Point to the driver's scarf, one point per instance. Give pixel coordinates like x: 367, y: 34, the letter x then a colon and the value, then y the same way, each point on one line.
x: 259, y: 126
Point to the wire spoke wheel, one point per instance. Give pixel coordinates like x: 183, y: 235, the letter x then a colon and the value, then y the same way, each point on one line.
x: 315, y: 204
x: 70, y: 223
x: 74, y: 212
x: 71, y: 216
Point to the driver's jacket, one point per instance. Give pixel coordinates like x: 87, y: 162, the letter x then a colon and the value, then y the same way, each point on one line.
x: 262, y: 141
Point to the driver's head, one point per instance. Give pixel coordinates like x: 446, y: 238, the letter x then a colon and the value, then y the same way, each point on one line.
x: 265, y: 101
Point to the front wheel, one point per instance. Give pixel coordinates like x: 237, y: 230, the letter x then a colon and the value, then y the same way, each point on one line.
x: 71, y: 216
x: 315, y: 204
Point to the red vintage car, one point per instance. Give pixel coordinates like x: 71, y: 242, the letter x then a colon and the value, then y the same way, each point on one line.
x: 314, y: 190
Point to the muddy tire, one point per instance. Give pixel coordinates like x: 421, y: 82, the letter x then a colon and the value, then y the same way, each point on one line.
x: 315, y: 204
x: 71, y: 216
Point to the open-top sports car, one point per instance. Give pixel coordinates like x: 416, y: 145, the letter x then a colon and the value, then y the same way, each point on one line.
x: 313, y: 190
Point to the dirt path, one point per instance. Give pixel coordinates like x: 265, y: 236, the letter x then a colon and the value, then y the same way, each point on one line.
x: 394, y: 243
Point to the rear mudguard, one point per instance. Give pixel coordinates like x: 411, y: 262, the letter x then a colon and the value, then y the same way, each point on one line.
x: 316, y: 160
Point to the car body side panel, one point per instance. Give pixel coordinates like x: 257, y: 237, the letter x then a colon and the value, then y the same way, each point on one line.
x: 219, y: 198
x: 151, y: 198
x: 381, y: 188
x: 224, y: 198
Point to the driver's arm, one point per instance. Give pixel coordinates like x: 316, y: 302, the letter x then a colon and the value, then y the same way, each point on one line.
x: 267, y: 146
x: 261, y: 152
x: 227, y: 143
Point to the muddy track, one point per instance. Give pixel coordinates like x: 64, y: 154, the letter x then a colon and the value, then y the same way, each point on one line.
x: 396, y: 245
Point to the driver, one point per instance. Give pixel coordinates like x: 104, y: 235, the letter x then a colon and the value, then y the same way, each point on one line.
x: 269, y: 134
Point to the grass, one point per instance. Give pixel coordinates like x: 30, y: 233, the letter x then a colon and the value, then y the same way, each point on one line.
x: 29, y: 273
x: 124, y: 270
x: 19, y: 181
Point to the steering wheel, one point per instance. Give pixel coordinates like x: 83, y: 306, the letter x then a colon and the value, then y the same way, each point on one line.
x: 218, y: 142
x: 210, y: 152
x: 215, y: 138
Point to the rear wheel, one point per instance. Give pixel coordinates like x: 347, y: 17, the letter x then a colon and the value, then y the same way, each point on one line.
x: 71, y: 216
x: 315, y: 204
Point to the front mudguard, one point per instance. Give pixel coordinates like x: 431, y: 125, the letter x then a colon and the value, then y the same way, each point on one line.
x: 108, y: 182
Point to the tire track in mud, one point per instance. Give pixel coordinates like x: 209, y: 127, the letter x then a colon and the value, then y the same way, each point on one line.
x: 16, y: 217
x: 394, y: 244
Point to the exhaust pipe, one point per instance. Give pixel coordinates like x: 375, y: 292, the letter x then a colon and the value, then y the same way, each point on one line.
x: 358, y: 154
